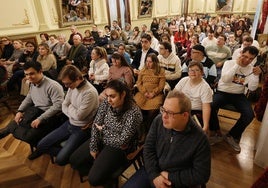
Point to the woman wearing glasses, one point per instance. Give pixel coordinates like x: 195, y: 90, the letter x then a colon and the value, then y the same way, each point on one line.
x: 199, y: 92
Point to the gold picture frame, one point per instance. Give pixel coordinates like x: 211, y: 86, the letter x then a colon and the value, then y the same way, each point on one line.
x: 75, y: 12
x: 224, y: 6
x: 145, y: 8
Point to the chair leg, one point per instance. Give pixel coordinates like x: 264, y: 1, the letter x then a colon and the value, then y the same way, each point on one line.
x: 52, y: 159
x: 32, y: 148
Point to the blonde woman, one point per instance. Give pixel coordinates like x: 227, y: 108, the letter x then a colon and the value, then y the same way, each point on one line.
x: 98, y: 68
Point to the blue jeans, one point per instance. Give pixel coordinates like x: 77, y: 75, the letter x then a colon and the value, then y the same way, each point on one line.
x: 74, y: 137
x: 139, y: 179
x: 242, y: 105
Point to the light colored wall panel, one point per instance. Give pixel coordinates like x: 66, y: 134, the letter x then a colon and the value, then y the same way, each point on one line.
x: 251, y: 6
x: 238, y: 6
x: 18, y: 17
x: 161, y: 8
x: 210, y: 6
x: 175, y: 7
x: 197, y: 6
x: 50, y: 13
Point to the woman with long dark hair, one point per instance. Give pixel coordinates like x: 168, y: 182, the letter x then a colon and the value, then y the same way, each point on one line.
x: 113, y: 136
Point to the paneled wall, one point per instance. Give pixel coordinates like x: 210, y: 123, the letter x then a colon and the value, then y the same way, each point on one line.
x: 30, y: 17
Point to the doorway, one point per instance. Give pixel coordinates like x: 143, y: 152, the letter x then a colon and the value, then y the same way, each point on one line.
x: 118, y: 10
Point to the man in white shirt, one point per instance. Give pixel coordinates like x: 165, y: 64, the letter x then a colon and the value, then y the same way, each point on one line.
x: 236, y: 75
x: 209, y: 40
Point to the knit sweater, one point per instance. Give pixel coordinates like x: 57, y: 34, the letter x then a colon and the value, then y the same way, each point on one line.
x: 81, y: 104
x: 48, y: 96
x: 234, y: 78
x: 172, y: 66
x: 118, y: 128
x: 184, y: 155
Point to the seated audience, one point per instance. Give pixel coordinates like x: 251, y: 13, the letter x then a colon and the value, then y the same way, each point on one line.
x: 52, y: 41
x: 7, y: 49
x: 29, y: 55
x: 18, y: 51
x: 140, y: 55
x: 150, y: 85
x: 236, y: 75
x: 198, y: 54
x: 98, y: 68
x: 121, y: 70
x: 44, y: 37
x: 170, y: 62
x: 80, y: 106
x: 165, y: 37
x: 209, y: 40
x: 61, y: 51
x: 113, y: 136
x: 199, y: 92
x: 47, y: 60
x: 122, y: 50
x: 114, y: 42
x: 134, y: 41
x: 77, y: 54
x: 36, y: 116
x: 219, y: 53
x: 176, y: 151
x: 232, y: 43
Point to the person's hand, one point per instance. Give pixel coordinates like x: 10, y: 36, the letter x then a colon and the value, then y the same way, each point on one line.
x: 136, y: 72
x: 92, y: 76
x: 35, y: 123
x: 93, y: 154
x: 256, y: 70
x: 161, y: 182
x: 18, y: 118
x: 205, y: 129
x: 219, y: 64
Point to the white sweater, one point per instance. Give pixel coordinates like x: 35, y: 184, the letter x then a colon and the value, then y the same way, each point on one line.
x: 234, y: 78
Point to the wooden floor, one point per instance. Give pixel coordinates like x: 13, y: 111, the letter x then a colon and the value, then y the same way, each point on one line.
x: 229, y: 169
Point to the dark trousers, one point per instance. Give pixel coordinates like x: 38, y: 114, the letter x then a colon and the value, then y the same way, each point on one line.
x: 102, y: 169
x: 242, y: 105
x: 23, y: 131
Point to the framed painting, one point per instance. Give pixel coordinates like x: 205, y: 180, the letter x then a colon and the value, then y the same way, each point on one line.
x: 145, y: 8
x: 75, y: 12
x: 224, y: 6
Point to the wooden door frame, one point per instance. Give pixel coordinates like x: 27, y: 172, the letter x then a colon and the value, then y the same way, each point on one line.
x: 127, y: 12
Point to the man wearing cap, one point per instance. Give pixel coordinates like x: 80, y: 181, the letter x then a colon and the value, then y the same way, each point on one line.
x: 198, y: 54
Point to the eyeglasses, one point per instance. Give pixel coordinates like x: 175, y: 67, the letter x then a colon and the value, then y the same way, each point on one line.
x: 193, y: 70
x: 169, y: 113
x: 29, y: 46
x: 68, y: 84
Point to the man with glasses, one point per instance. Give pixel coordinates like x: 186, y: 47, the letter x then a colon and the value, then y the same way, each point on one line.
x: 198, y: 54
x: 236, y: 75
x: 176, y: 150
x: 80, y: 106
x: 37, y: 114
